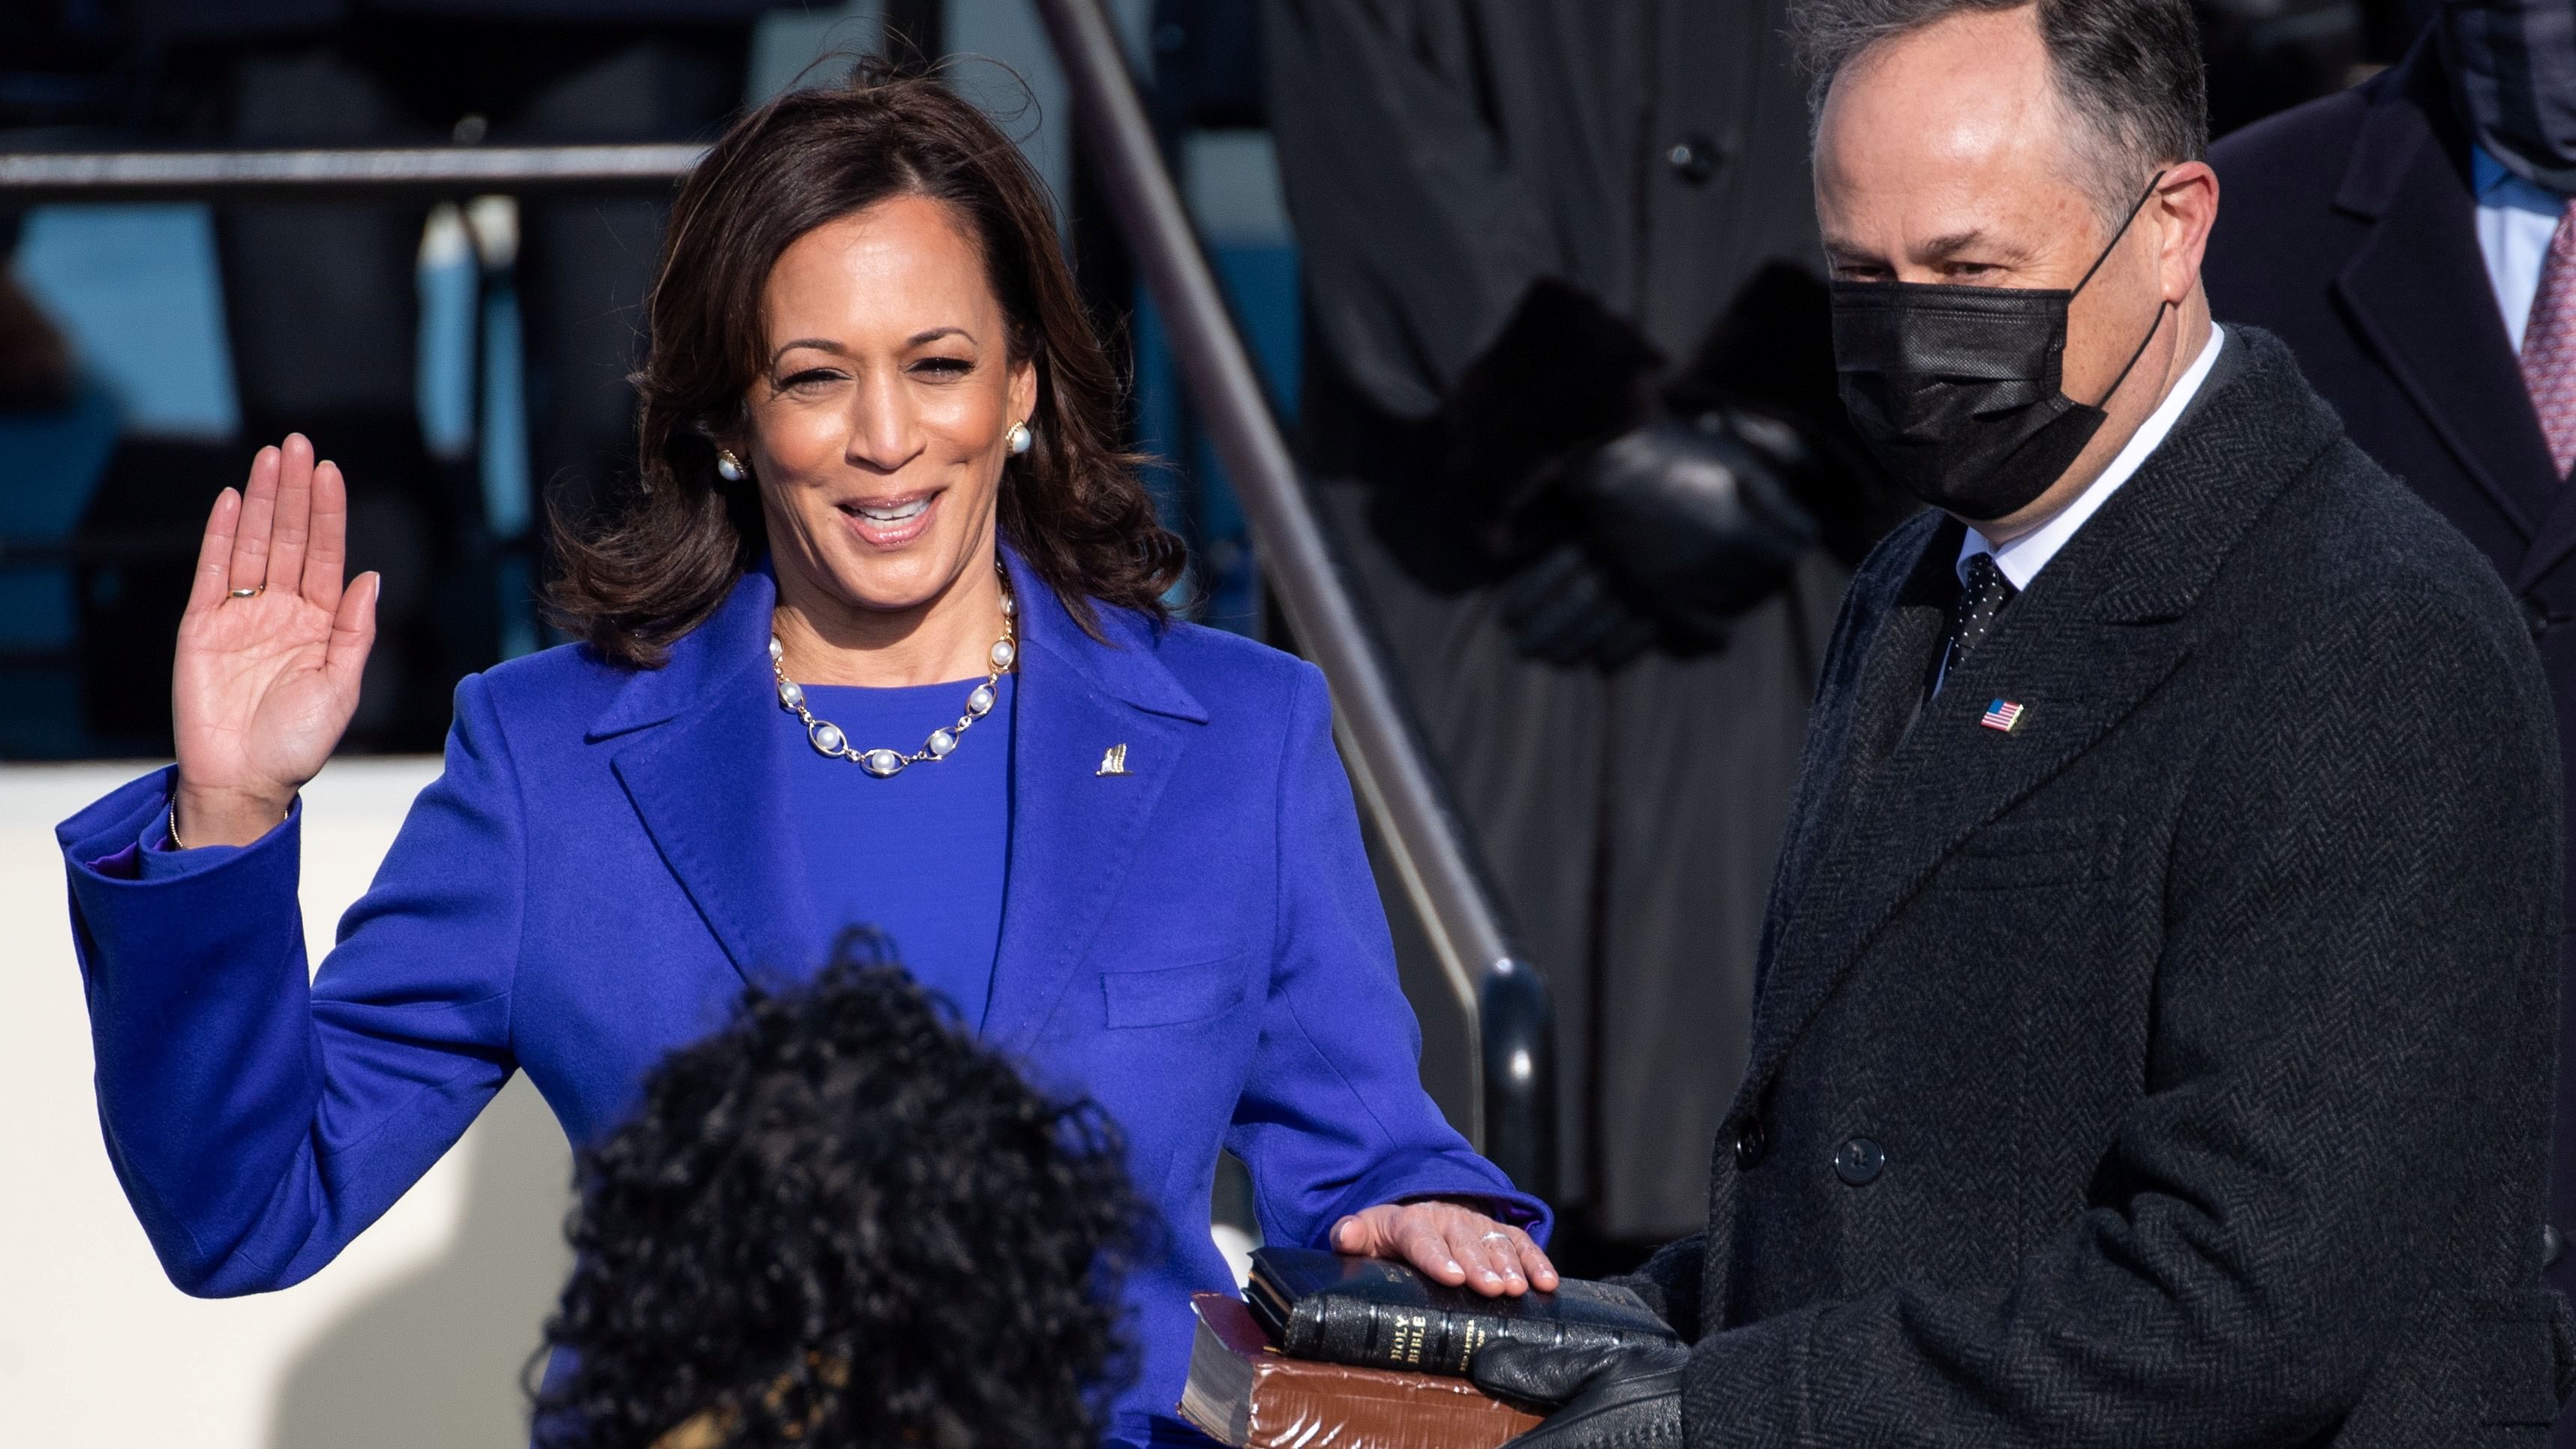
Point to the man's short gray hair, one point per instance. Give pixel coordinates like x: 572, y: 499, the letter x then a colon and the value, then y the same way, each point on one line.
x: 2127, y: 71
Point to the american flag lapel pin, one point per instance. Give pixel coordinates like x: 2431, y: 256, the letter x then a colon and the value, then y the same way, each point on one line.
x: 2004, y: 715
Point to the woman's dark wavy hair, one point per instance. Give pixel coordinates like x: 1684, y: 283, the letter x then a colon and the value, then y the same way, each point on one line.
x: 841, y: 1222
x: 1073, y: 505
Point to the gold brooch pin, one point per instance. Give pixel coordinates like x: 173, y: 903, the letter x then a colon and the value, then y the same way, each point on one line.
x: 1114, y: 762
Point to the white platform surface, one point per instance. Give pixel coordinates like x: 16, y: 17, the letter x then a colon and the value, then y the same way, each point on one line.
x: 414, y: 1337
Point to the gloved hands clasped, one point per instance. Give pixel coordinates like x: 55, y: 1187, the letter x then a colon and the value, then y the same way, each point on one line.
x: 1634, y: 507
x: 1678, y: 526
x: 1601, y: 1397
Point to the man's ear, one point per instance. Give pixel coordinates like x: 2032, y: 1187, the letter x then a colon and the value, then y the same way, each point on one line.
x: 2186, y: 206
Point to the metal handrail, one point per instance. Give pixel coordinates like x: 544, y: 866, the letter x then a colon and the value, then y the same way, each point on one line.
x: 109, y: 551
x: 1512, y: 1091
x: 34, y: 176
x: 1505, y: 1002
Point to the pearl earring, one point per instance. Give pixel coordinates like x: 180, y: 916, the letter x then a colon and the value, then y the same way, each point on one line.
x: 729, y: 467
x: 1020, y: 439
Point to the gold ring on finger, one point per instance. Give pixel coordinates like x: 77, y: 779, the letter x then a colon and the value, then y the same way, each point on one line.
x: 250, y: 593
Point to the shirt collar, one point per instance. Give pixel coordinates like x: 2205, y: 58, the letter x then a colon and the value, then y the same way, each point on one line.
x: 2486, y: 173
x: 2499, y: 187
x: 2022, y: 559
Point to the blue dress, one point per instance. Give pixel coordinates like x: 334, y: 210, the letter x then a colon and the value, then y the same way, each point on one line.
x: 923, y: 856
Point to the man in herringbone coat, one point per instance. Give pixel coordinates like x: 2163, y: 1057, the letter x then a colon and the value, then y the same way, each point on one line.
x: 2155, y: 1028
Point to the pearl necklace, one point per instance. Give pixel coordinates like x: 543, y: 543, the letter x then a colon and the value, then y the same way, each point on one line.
x: 828, y: 738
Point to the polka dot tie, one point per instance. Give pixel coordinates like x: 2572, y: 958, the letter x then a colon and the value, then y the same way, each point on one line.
x: 1983, y: 597
x: 2549, y: 345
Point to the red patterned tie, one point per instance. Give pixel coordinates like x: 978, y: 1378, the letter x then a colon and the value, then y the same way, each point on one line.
x: 2549, y: 345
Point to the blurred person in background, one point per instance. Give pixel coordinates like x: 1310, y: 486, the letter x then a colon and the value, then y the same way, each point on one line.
x: 320, y: 297
x: 56, y: 430
x: 2413, y: 242
x: 36, y: 373
x: 70, y: 70
x: 880, y: 640
x: 2269, y: 55
x: 843, y: 1223
x: 1570, y: 397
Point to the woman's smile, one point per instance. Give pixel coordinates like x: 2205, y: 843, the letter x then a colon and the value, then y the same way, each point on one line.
x: 891, y: 523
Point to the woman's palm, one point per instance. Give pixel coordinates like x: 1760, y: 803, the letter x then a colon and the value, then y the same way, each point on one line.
x: 267, y: 681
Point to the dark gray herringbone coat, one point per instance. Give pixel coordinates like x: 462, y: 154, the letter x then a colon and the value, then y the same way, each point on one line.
x: 2174, y: 1069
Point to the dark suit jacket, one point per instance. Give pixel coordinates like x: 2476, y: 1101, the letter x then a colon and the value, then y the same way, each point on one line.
x: 2174, y: 1068
x: 2349, y: 230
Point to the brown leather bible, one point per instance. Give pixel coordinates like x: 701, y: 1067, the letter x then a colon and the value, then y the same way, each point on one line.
x: 1242, y: 1391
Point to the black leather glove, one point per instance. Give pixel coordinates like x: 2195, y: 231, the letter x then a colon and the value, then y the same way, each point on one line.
x: 1604, y: 1397
x: 1680, y: 527
x: 1771, y: 355
x: 1697, y: 517
x: 1563, y: 607
x: 1635, y: 507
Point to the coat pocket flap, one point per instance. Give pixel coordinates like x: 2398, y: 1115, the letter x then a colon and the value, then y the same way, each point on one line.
x: 1175, y: 995
x: 2031, y: 853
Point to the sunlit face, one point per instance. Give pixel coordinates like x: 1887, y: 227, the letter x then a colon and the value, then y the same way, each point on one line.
x: 880, y: 426
x: 1946, y: 156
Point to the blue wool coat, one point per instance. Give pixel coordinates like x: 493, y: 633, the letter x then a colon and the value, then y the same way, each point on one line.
x: 1197, y: 944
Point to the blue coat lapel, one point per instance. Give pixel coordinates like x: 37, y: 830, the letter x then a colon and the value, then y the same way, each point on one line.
x: 1075, y: 831
x: 702, y: 771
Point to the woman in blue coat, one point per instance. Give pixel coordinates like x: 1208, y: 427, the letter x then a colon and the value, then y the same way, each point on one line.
x: 879, y: 641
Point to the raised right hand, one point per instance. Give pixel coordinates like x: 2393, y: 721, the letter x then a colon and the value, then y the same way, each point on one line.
x: 265, y: 685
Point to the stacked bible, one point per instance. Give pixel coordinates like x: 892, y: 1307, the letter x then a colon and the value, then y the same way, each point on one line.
x: 1332, y: 1352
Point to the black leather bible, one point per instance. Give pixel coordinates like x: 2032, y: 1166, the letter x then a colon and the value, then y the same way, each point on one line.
x: 1371, y: 1312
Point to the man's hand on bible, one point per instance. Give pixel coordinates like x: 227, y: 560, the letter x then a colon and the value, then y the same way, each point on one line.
x: 1603, y: 1395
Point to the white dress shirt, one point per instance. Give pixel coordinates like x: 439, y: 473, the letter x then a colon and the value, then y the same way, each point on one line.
x: 2515, y: 222
x: 2023, y: 558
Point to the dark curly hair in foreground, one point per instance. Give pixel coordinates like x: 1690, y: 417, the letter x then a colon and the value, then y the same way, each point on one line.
x: 841, y: 1222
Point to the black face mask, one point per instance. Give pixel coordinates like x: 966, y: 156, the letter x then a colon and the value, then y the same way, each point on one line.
x: 2513, y: 66
x: 1957, y: 389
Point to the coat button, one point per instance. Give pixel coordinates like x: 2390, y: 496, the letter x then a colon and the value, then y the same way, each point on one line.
x: 2536, y: 615
x: 1694, y: 159
x: 2551, y: 1246
x: 1750, y: 1144
x: 1859, y: 1161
